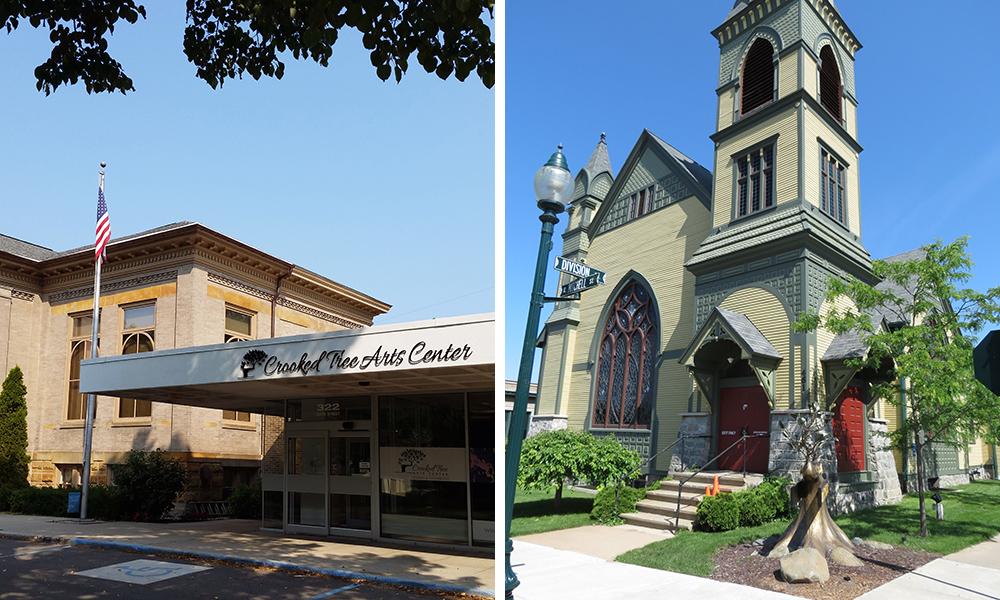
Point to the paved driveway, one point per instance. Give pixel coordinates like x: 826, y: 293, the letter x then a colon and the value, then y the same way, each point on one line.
x: 34, y: 570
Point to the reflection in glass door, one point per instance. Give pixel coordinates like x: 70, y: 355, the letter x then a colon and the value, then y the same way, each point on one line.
x: 350, y: 480
x: 306, y: 481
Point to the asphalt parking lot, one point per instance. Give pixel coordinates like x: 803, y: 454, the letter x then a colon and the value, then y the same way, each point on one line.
x: 39, y: 570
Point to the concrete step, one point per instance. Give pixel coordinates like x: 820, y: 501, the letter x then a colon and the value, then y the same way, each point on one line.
x: 727, y: 478
x: 653, y: 521
x: 669, y: 509
x: 688, y: 497
x: 695, y: 487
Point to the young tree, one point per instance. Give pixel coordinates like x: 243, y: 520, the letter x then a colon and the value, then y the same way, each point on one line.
x: 13, y: 431
x: 931, y: 317
x: 226, y: 38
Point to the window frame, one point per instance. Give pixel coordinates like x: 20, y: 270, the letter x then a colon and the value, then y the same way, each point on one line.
x: 647, y: 356
x: 766, y: 174
x: 134, y: 333
x: 74, y: 341
x: 233, y: 419
x: 825, y: 180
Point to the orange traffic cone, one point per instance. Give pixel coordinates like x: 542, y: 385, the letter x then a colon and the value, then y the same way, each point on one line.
x: 708, y: 490
x: 715, y: 486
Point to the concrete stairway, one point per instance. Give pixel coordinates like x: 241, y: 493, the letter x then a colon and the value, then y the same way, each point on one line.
x: 658, y: 510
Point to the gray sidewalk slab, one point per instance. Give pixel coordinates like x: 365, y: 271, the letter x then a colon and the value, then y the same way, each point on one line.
x: 242, y: 540
x: 942, y: 579
x: 546, y: 573
x: 601, y: 541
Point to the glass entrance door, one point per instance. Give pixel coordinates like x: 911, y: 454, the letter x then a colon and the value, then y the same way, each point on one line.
x: 350, y: 482
x: 306, y: 481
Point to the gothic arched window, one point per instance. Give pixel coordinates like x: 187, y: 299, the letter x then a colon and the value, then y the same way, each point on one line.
x: 829, y: 82
x: 626, y: 360
x: 757, y: 82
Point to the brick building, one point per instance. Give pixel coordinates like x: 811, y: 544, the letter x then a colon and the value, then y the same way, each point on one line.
x: 175, y: 286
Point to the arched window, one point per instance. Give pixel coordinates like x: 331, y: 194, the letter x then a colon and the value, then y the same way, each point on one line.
x: 626, y: 360
x: 758, y: 76
x: 829, y: 82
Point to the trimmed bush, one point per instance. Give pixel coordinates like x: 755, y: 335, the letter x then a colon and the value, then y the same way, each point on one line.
x: 50, y: 502
x: 755, y: 507
x: 14, y: 431
x: 719, y: 513
x: 147, y: 484
x: 245, y: 501
x: 774, y: 490
x: 612, y: 501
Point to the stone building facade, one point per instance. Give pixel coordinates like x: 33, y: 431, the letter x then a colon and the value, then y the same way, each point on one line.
x: 691, y: 345
x: 175, y: 286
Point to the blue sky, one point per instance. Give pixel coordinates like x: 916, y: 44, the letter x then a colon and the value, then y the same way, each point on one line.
x: 386, y: 188
x: 927, y: 115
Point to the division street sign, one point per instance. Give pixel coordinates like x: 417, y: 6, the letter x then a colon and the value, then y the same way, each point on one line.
x: 574, y: 268
x: 584, y: 283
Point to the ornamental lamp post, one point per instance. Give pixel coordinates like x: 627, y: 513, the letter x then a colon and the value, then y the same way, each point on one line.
x: 553, y: 185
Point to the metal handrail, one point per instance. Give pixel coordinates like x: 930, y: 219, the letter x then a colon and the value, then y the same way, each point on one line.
x: 649, y: 460
x: 680, y: 486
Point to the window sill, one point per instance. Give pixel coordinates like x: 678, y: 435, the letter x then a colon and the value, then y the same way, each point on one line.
x: 125, y: 422
x: 73, y: 424
x: 239, y: 425
x: 751, y: 216
x: 629, y: 429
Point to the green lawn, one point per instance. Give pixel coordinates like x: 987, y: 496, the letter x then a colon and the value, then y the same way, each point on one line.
x: 534, y: 511
x: 972, y: 515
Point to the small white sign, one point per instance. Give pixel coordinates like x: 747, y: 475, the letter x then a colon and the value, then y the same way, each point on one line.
x: 142, y: 571
x: 428, y: 464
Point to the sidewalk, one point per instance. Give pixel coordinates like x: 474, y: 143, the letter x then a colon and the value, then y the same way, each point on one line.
x: 973, y: 573
x: 242, y: 541
x: 546, y: 573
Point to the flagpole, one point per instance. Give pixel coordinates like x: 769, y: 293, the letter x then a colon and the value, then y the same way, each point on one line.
x: 88, y: 431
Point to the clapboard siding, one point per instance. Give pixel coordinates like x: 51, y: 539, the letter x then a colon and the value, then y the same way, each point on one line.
x: 764, y: 309
x: 816, y: 129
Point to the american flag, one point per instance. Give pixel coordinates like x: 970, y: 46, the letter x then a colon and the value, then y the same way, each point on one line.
x: 103, y: 227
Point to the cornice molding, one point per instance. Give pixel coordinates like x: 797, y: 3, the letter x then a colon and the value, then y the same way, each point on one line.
x: 268, y: 296
x: 22, y: 295
x: 113, y: 286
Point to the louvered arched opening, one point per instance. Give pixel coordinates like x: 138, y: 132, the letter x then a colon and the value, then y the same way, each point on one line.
x: 758, y: 76
x: 829, y: 82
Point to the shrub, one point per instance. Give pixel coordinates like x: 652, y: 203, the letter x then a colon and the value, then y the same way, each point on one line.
x: 550, y: 458
x: 245, y: 501
x: 104, y: 502
x: 13, y: 431
x: 50, y: 502
x: 775, y: 492
x: 719, y: 513
x: 147, y: 484
x: 612, y: 501
x: 755, y: 507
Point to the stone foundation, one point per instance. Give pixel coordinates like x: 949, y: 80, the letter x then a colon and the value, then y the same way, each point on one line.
x: 541, y: 423
x: 694, y: 450
x: 887, y: 489
x: 947, y: 481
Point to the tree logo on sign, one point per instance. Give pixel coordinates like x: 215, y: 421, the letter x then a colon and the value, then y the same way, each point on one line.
x: 251, y: 360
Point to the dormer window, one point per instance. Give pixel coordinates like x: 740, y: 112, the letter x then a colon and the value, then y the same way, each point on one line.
x: 758, y: 77
x: 830, y: 88
x: 641, y: 202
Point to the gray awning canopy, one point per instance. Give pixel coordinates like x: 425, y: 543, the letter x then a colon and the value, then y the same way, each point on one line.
x: 441, y: 355
x: 754, y: 347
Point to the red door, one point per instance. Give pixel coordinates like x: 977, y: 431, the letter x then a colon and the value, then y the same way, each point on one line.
x: 744, y: 410
x: 849, y: 431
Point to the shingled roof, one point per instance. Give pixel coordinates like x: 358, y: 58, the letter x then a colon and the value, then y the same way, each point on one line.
x: 23, y: 249
x: 748, y: 332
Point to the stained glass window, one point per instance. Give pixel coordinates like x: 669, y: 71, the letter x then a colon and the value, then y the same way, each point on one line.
x: 628, y: 347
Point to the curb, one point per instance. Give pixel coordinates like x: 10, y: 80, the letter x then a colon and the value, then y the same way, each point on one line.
x: 255, y: 562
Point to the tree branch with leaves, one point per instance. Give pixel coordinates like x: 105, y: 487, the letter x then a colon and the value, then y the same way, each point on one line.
x: 225, y: 39
x: 925, y: 322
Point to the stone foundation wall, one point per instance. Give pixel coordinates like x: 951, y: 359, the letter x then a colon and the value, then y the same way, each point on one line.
x: 694, y: 450
x: 947, y: 481
x: 541, y: 423
x: 887, y: 489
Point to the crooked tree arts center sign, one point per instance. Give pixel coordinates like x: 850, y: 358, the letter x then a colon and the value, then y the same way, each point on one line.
x: 446, y: 343
x: 333, y: 361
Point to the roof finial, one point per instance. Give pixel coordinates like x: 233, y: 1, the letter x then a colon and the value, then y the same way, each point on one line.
x: 604, y: 137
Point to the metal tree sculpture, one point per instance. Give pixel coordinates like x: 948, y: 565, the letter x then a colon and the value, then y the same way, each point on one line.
x: 813, y: 527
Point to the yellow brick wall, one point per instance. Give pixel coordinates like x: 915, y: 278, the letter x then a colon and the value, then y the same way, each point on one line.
x: 767, y: 312
x: 786, y: 162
